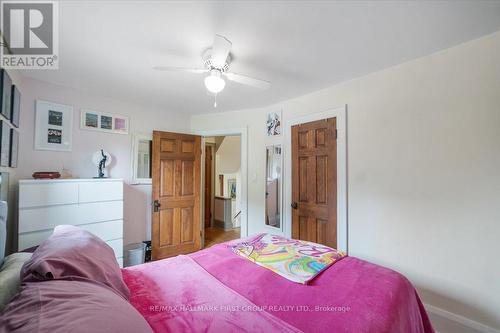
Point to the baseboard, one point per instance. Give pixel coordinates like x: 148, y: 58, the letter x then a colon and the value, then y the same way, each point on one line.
x: 460, y: 319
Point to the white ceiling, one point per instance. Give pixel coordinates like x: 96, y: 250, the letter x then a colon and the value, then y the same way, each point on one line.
x: 108, y: 47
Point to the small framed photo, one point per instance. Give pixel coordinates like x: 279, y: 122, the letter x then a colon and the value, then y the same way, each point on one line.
x: 15, y: 106
x: 273, y: 123
x: 5, y: 93
x: 120, y: 124
x: 91, y: 120
x: 14, y: 148
x: 104, y: 122
x: 231, y: 188
x: 5, y: 143
x: 53, y: 126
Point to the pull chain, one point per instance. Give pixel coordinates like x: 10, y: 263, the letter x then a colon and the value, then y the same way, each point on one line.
x: 215, y: 101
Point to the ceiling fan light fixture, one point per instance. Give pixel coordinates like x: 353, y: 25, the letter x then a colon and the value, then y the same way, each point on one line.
x: 214, y: 82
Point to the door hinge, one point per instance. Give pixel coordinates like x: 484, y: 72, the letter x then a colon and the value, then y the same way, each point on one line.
x: 336, y: 133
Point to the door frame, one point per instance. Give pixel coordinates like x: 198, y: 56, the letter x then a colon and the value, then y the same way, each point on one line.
x: 212, y: 188
x: 243, y: 133
x: 340, y: 113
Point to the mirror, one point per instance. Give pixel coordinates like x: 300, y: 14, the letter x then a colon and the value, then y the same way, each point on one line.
x: 141, y: 159
x: 273, y: 186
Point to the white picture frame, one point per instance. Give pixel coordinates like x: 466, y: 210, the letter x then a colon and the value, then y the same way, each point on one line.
x: 92, y: 120
x: 274, y: 123
x: 137, y: 138
x: 53, y: 126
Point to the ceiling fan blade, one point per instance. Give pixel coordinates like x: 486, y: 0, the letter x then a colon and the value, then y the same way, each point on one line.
x: 247, y: 80
x: 220, y: 51
x: 180, y: 69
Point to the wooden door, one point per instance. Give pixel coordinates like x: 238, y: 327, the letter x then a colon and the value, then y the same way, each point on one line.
x: 314, y: 182
x: 208, y: 185
x: 176, y: 177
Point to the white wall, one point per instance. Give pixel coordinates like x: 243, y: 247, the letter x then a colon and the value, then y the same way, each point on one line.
x: 423, y: 171
x: 137, y: 198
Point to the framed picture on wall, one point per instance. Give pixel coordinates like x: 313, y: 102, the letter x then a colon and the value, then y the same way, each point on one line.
x: 14, y: 148
x: 103, y: 122
x: 15, y: 106
x: 5, y: 143
x: 53, y: 126
x: 273, y: 123
x: 231, y: 188
x: 5, y: 93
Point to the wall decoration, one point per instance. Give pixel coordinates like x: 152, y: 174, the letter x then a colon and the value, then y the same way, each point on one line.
x: 5, y: 143
x: 91, y: 120
x: 104, y: 122
x: 53, y: 126
x: 273, y: 123
x: 120, y: 124
x: 102, y: 159
x: 4, y: 188
x: 231, y: 186
x: 5, y: 93
x: 55, y: 118
x: 141, y: 158
x: 14, y: 148
x: 15, y: 106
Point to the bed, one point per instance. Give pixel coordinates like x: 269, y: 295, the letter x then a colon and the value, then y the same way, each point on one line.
x: 217, y: 290
x: 72, y: 282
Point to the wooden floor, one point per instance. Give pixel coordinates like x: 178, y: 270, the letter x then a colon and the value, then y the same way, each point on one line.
x: 218, y: 235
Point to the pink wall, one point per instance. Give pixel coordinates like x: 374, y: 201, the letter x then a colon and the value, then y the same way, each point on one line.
x: 142, y: 119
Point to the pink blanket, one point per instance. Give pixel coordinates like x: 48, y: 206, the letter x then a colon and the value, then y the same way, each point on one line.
x: 350, y: 296
x: 178, y: 295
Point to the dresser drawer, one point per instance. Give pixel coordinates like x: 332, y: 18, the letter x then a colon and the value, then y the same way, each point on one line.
x: 47, y: 194
x: 106, y: 231
x: 100, y: 211
x: 100, y: 191
x: 30, y: 239
x: 117, y: 246
x: 43, y: 218
x: 120, y: 262
x: 32, y: 219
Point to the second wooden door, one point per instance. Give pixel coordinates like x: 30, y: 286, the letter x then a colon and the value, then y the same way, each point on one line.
x: 314, y: 182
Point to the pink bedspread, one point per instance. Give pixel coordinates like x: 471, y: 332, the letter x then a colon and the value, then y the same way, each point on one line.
x: 178, y: 295
x: 350, y: 296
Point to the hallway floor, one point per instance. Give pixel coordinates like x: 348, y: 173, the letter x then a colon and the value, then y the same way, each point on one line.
x: 218, y: 235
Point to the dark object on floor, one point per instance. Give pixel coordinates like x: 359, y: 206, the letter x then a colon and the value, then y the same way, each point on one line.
x: 148, y: 251
x: 46, y: 175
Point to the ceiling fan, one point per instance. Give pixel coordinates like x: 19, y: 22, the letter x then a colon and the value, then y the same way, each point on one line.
x: 217, y: 60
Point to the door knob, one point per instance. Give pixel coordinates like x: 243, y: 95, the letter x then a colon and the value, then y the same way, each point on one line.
x: 156, y: 206
x: 294, y: 205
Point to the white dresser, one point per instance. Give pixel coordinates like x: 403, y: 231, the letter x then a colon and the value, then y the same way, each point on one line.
x: 95, y: 205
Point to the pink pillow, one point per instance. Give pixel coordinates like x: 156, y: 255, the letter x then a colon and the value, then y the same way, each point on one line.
x: 72, y: 253
x: 70, y: 306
